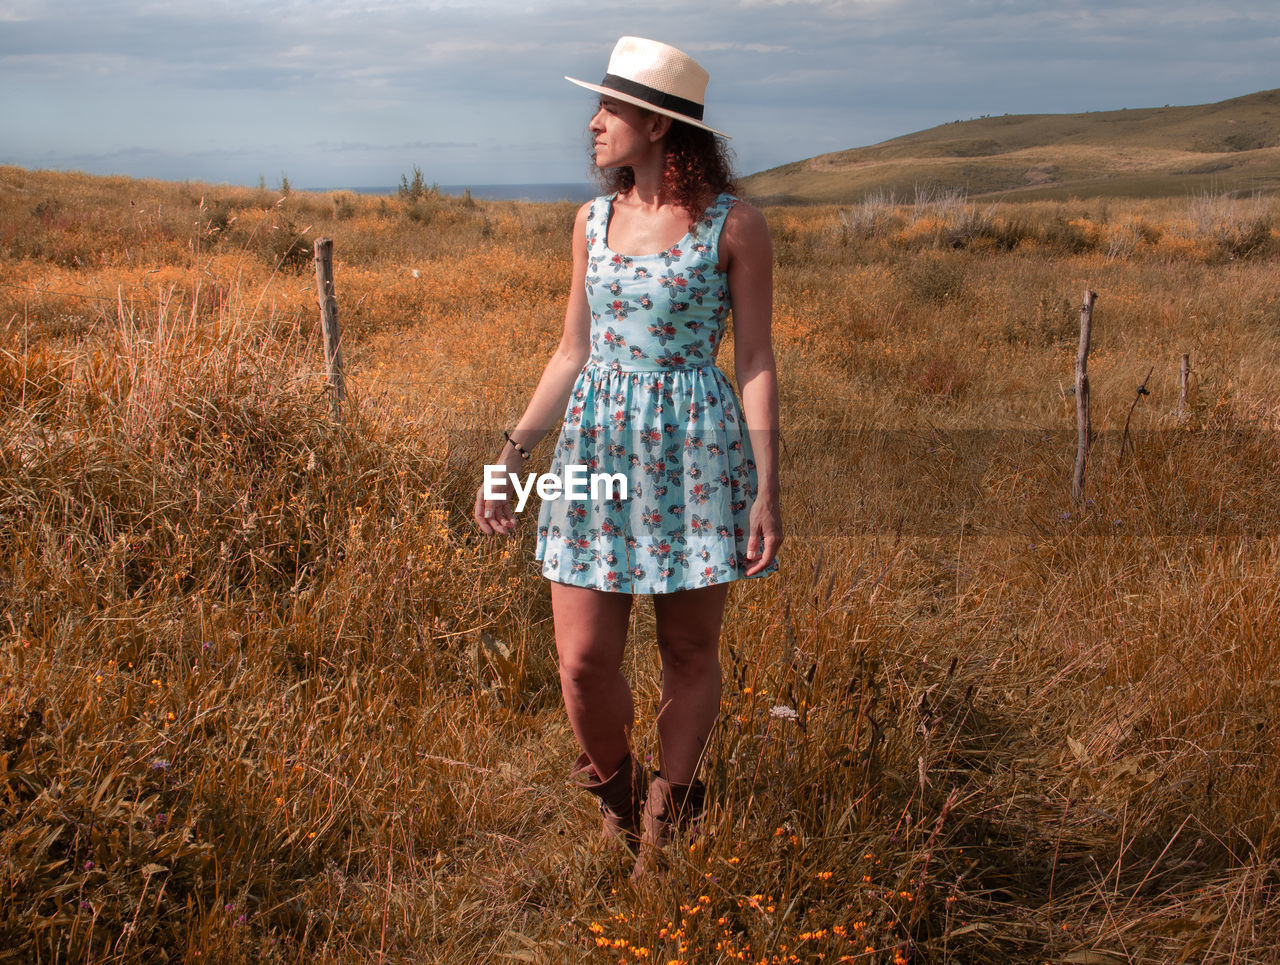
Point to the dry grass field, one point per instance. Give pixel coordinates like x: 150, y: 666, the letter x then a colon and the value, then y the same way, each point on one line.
x: 268, y: 697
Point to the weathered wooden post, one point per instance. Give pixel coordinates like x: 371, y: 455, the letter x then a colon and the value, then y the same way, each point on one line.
x: 1184, y: 379
x: 329, y: 325
x: 1083, y: 428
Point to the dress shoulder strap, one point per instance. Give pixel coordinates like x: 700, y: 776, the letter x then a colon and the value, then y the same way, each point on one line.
x: 706, y: 230
x: 597, y: 220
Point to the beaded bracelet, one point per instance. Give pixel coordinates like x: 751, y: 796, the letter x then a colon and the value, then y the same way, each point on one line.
x: 524, y: 453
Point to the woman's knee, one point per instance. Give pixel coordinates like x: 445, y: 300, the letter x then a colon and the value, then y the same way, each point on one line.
x: 591, y: 634
x: 585, y: 666
x: 689, y: 651
x: 688, y: 630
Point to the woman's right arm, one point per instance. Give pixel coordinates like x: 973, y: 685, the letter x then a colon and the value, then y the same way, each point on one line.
x: 550, y: 398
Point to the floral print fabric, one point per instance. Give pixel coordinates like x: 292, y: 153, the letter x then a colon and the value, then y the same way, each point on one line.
x: 651, y: 404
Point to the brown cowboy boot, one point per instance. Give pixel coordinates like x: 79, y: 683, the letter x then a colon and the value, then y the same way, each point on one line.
x: 668, y: 809
x: 620, y: 797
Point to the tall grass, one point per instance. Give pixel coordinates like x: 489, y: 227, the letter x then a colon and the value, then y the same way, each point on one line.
x: 269, y: 697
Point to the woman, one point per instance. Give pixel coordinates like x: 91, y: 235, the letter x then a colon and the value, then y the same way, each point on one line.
x: 657, y: 264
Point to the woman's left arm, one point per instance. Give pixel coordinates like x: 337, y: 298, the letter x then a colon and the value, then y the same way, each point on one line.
x: 746, y: 247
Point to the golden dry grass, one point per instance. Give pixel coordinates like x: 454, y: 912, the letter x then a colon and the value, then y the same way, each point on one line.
x: 1230, y: 146
x: 269, y: 697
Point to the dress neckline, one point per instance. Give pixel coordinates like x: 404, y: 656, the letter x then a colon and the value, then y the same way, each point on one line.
x: 608, y: 219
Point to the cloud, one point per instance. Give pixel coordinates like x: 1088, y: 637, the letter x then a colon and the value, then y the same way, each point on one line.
x: 794, y: 76
x: 364, y: 146
x: 828, y: 6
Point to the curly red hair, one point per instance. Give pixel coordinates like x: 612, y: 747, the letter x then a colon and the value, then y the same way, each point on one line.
x: 697, y: 169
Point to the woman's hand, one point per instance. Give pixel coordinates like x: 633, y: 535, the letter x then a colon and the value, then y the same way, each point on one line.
x: 766, y: 534
x: 495, y: 516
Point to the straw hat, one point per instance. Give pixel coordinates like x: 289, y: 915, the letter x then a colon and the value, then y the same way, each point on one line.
x: 657, y: 77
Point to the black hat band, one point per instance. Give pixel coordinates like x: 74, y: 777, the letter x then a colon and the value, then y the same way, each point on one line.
x: 651, y: 95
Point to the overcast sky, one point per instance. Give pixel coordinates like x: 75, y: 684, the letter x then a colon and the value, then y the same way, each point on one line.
x: 349, y: 93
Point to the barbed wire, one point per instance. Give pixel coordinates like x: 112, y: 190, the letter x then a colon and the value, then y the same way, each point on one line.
x: 365, y: 381
x: 351, y: 376
x: 88, y: 296
x: 435, y: 380
x: 54, y: 291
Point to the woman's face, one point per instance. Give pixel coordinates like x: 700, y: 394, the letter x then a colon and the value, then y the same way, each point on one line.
x: 623, y: 134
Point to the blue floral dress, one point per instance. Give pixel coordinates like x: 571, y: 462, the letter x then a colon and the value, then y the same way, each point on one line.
x: 651, y: 404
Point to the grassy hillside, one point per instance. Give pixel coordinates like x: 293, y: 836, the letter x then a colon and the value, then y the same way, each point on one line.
x: 1231, y: 146
x: 268, y: 698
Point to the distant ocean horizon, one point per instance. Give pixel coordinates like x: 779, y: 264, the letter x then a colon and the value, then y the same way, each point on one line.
x: 566, y: 191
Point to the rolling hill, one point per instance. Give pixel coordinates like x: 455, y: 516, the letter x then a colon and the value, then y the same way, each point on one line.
x: 1231, y: 146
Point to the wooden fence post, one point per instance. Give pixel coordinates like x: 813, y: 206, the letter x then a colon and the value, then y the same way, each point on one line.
x: 329, y: 325
x: 1184, y: 378
x: 1083, y: 429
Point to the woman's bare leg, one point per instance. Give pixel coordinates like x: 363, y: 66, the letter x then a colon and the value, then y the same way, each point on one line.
x: 689, y: 644
x: 591, y: 635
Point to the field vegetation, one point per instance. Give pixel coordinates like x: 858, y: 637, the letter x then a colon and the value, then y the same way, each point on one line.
x: 269, y: 697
